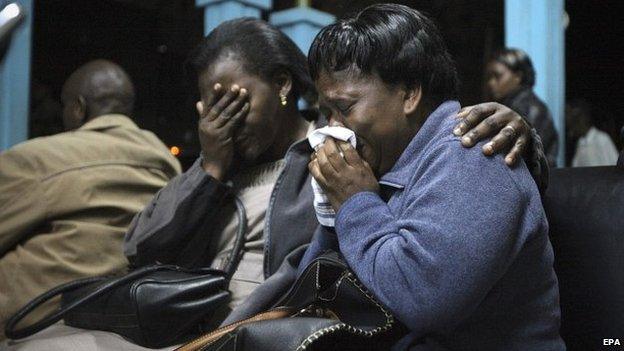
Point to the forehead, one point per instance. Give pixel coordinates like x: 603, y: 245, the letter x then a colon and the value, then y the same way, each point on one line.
x: 226, y: 70
x: 497, y: 67
x: 346, y: 83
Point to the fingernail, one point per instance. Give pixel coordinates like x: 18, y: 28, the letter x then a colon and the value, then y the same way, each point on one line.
x: 509, y: 160
x: 243, y: 91
x: 488, y: 148
x: 235, y: 88
x: 217, y: 86
x: 466, y: 140
x: 457, y: 131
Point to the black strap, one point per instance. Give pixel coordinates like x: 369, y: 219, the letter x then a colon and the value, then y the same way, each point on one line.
x: 12, y: 333
x: 237, y: 250
x: 55, y: 316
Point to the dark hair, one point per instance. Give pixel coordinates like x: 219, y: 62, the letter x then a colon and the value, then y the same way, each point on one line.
x: 263, y: 50
x: 582, y: 107
x: 396, y: 42
x: 518, y: 62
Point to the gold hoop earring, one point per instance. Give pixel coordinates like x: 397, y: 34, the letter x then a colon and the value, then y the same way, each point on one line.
x: 283, y: 99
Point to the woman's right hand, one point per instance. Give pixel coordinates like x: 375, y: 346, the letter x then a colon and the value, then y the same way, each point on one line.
x: 219, y: 118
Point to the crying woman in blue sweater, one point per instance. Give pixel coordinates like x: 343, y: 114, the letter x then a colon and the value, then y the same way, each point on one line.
x: 453, y: 243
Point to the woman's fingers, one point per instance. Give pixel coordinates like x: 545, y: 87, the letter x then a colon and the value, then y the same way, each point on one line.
x: 237, y: 119
x: 500, y: 141
x: 200, y: 109
x: 326, y: 167
x: 334, y: 154
x: 211, y: 99
x: 315, y: 169
x: 349, y: 153
x: 224, y: 101
x: 506, y: 137
x: 233, y: 108
x: 471, y: 116
x: 517, y: 150
x: 485, y: 128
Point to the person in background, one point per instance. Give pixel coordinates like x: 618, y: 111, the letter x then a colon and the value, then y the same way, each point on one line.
x: 454, y: 244
x: 591, y: 146
x: 66, y: 200
x: 510, y: 81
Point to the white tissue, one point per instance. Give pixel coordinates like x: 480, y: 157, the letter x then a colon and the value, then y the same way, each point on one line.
x: 324, y: 211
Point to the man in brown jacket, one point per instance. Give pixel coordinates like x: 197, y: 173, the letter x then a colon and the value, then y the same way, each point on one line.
x: 66, y: 200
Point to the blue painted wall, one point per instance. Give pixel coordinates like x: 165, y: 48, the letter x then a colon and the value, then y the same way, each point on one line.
x: 217, y: 11
x: 301, y: 24
x: 15, y: 83
x: 537, y: 27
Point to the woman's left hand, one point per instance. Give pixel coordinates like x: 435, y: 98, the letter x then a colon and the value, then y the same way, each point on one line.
x: 483, y: 120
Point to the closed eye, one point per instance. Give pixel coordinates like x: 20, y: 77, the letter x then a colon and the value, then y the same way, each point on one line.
x: 344, y: 107
x: 325, y: 111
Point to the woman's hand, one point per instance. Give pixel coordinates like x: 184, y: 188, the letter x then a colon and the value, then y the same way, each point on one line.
x: 484, y: 120
x: 341, y: 172
x: 219, y: 118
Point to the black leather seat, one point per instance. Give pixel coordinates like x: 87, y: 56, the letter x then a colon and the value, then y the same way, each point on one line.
x: 585, y: 209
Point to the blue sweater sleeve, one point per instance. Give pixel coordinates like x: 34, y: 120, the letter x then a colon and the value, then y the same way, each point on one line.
x: 434, y: 257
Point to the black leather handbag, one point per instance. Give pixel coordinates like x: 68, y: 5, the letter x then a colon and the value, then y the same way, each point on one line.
x: 153, y: 306
x: 327, y: 308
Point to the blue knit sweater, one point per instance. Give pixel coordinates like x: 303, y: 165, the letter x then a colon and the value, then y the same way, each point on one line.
x: 456, y: 247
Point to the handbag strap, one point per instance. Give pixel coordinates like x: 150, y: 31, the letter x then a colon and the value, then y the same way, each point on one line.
x: 239, y: 242
x: 13, y: 333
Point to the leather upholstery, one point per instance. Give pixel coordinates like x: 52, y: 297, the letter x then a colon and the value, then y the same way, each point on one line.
x: 585, y: 209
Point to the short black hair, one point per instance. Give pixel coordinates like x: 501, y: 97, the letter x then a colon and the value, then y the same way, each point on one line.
x: 518, y: 62
x: 396, y: 42
x: 263, y: 50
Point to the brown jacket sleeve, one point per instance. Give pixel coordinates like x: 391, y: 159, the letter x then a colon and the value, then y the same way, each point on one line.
x: 22, y: 202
